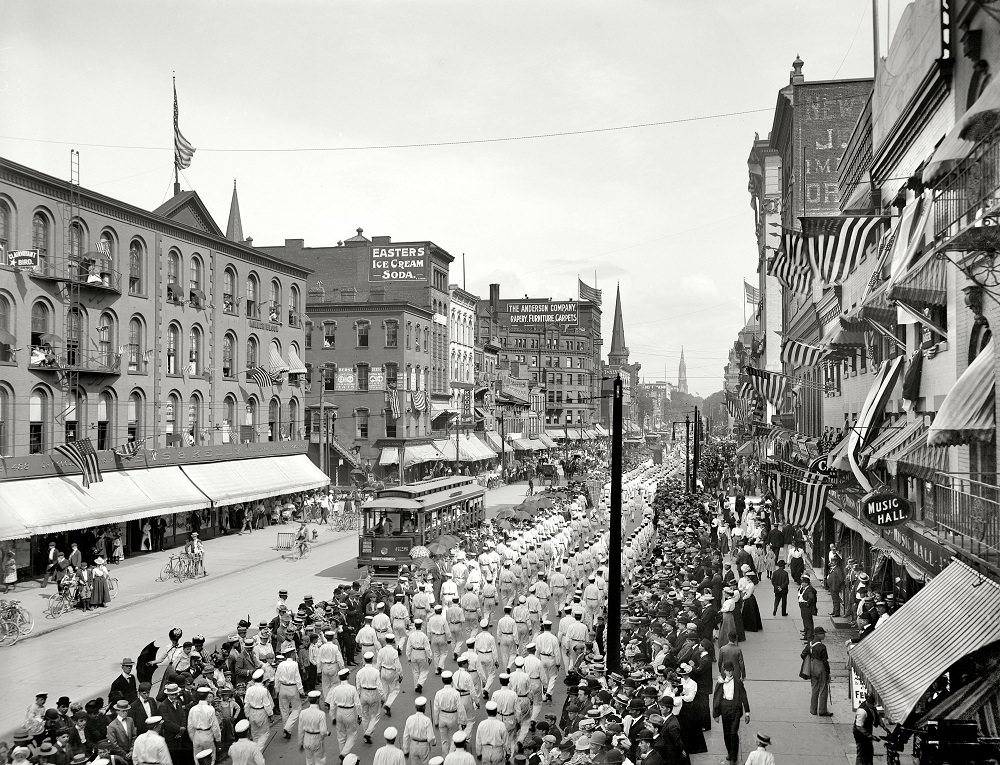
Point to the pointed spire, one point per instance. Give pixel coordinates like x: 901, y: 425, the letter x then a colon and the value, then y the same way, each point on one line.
x: 682, y: 374
x: 234, y: 229
x: 618, y: 355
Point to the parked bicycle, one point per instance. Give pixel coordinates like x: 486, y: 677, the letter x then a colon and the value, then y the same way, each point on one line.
x: 13, y: 610
x: 60, y: 602
x: 178, y: 567
x: 9, y: 632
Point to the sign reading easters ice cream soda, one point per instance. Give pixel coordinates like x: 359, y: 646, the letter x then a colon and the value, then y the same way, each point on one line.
x: 398, y: 263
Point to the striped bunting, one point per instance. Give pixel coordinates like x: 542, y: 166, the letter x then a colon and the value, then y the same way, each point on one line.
x: 835, y: 244
x: 790, y: 266
x: 769, y: 385
x: 803, y: 501
x: 392, y: 397
x: 797, y: 354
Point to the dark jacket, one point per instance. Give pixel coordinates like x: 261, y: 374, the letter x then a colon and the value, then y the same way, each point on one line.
x: 669, y: 743
x: 138, y: 714
x: 775, y: 537
x: 819, y: 663
x: 652, y: 758
x: 779, y: 579
x: 733, y: 654
x: 124, y: 689
x: 739, y: 696
x: 173, y: 721
x: 808, y: 599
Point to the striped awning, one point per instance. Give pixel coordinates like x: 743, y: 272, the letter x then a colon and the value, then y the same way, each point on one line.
x: 414, y: 454
x: 837, y: 456
x: 920, y: 460
x: 601, y: 430
x: 954, y: 615
x: 278, y: 364
x: 478, y: 449
x: 968, y: 412
x: 896, y: 441
x: 447, y: 447
x: 844, y: 336
x: 522, y: 444
x: 876, y: 306
x: 295, y: 364
x: 925, y: 283
x: 492, y: 440
x: 870, y: 417
x: 549, y: 443
x: 745, y: 449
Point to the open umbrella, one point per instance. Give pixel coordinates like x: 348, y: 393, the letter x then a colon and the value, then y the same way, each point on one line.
x: 503, y: 523
x: 542, y: 501
x: 449, y: 539
x: 144, y: 670
x: 425, y: 564
x: 523, y: 515
x: 419, y: 552
x: 436, y: 548
x: 507, y: 512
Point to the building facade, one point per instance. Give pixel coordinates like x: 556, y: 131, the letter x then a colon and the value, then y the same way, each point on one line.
x: 462, y: 352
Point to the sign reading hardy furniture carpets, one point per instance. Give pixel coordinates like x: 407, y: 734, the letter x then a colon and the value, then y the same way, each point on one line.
x: 886, y: 509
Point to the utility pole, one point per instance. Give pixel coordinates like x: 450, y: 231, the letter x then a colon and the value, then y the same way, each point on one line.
x: 615, y: 542
x: 324, y: 457
x: 457, y: 429
x: 687, y: 452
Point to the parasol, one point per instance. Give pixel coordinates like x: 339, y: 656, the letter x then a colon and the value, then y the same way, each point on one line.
x: 437, y: 548
x: 419, y: 552
x: 449, y: 539
x: 144, y: 669
x: 425, y: 564
x: 504, y: 514
x: 523, y: 515
x: 503, y: 523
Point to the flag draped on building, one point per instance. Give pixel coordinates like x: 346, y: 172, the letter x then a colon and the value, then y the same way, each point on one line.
x: 803, y: 501
x: 260, y: 376
x: 790, y: 265
x: 392, y: 398
x: 129, y: 449
x: 770, y: 385
x: 81, y: 453
x: 752, y: 293
x: 183, y: 149
x: 837, y: 243
x: 419, y: 401
x: 586, y: 292
x: 797, y: 354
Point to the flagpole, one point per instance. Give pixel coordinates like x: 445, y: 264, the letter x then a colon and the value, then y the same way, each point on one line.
x: 177, y: 182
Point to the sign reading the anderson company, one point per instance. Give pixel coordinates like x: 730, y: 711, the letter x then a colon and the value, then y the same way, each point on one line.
x: 885, y: 509
x: 536, y: 313
x: 398, y: 263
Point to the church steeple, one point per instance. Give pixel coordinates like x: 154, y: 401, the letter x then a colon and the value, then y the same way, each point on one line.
x: 618, y: 355
x: 234, y: 229
x: 682, y: 374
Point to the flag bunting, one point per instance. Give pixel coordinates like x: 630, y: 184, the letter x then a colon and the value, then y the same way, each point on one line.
x: 803, y: 501
x: 797, y: 354
x: 768, y: 384
x: 837, y: 243
x: 129, y: 449
x: 392, y: 397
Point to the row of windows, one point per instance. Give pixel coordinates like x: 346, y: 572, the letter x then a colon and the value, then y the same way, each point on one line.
x: 99, y: 420
x: 462, y: 326
x: 552, y: 343
x: 359, y: 424
x: 415, y: 378
x: 105, y: 250
x: 551, y: 362
x: 362, y: 335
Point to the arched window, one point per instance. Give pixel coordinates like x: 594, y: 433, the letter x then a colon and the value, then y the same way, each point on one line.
x: 76, y: 240
x: 230, y: 428
x: 416, y: 335
x: 175, y: 294
x: 252, y: 352
x: 173, y: 420
x: 309, y: 335
x: 6, y: 232
x: 106, y: 340
x: 229, y: 290
x: 427, y: 344
x: 8, y: 337
x: 38, y: 417
x: 106, y: 246
x: 136, y: 343
x: 229, y: 355
x: 194, y: 351
x: 40, y: 240
x: 195, y: 273
x: 105, y: 418
x: 40, y: 327
x: 253, y: 297
x: 250, y: 419
x: 76, y: 330
x: 173, y: 348
x: 292, y: 431
x: 194, y: 433
x: 134, y: 416
x: 294, y: 319
x: 273, y: 420
x: 274, y: 309
x: 136, y: 267
x: 6, y: 422
x: 75, y: 417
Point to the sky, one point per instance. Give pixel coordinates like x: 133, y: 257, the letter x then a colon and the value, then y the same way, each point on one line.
x: 663, y: 211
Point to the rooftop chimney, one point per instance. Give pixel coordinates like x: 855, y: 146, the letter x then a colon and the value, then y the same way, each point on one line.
x: 796, y: 77
x: 494, y: 298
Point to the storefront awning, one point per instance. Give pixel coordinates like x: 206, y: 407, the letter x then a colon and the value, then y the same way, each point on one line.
x: 745, y: 449
x: 968, y: 414
x: 870, y: 416
x: 977, y: 123
x: 925, y: 283
x: 233, y: 481
x: 415, y: 454
x: 447, y: 447
x: 952, y: 616
x: 278, y: 364
x: 492, y: 439
x: 591, y: 434
x: 601, y: 431
x: 965, y: 703
x: 295, y: 364
x: 479, y: 450
x: 896, y: 441
x: 49, y: 505
x: 557, y: 435
x: 522, y: 444
x: 549, y: 443
x: 921, y: 460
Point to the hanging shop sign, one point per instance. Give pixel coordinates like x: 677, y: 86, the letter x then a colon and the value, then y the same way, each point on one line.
x: 23, y: 259
x: 886, y: 509
x: 346, y: 380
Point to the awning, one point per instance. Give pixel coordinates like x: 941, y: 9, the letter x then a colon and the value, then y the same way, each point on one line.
x: 492, y: 439
x: 278, y: 364
x: 59, y: 503
x: 232, y: 481
x: 837, y: 456
x: 6, y: 338
x: 415, y: 454
x: 437, y: 410
x: 557, y: 435
x: 447, y: 447
x: 549, y: 443
x: 591, y: 434
x: 870, y: 416
x: 965, y: 703
x: 537, y: 445
x: 295, y: 364
x: 845, y: 336
x: 921, y: 460
x: 954, y: 615
x: 523, y: 444
x: 479, y: 450
x: 967, y: 414
x: 481, y: 414
x: 925, y: 283
x: 897, y: 442
x: 866, y: 531
x: 745, y: 449
x: 601, y: 431
x: 977, y: 123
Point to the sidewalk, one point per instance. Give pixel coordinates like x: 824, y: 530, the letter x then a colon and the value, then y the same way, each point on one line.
x: 779, y: 699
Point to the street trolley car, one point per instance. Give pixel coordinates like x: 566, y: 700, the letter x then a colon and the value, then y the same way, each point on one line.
x: 401, y: 517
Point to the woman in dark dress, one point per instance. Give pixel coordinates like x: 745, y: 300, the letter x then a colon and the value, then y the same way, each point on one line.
x: 690, y: 717
x: 750, y: 611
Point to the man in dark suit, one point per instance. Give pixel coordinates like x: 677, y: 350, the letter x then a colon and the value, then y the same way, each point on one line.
x: 121, y: 731
x: 731, y: 653
x: 669, y: 742
x: 709, y: 618
x: 730, y: 704
x: 807, y: 606
x: 144, y: 706
x: 125, y: 685
x: 51, y: 564
x: 174, y: 713
x: 779, y: 581
x: 647, y: 754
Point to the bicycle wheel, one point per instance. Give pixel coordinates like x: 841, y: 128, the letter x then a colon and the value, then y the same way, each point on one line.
x: 55, y: 605
x: 8, y: 632
x: 113, y: 586
x: 167, y: 572
x: 25, y: 620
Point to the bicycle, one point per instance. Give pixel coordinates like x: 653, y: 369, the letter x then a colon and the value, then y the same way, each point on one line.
x: 9, y: 632
x: 12, y: 609
x: 59, y: 603
x: 177, y: 567
x: 113, y: 587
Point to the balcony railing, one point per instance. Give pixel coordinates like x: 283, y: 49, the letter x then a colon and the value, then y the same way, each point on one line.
x: 969, y: 513
x: 61, y: 359
x: 89, y: 272
x: 967, y: 192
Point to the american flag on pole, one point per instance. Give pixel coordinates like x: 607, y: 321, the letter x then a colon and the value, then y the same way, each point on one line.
x: 797, y: 354
x: 104, y: 247
x: 837, y: 243
x: 770, y: 385
x: 260, y: 376
x: 587, y: 292
x: 752, y: 293
x: 790, y: 265
x: 804, y: 501
x: 129, y: 449
x: 183, y: 149
x: 392, y: 396
x: 81, y: 453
